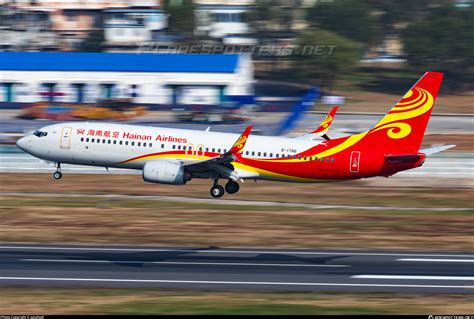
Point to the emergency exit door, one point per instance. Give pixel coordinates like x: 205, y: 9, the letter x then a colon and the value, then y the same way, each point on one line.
x: 355, y: 162
x: 66, y: 137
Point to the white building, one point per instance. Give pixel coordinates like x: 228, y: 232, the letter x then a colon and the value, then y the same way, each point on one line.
x: 132, y: 26
x: 219, y: 19
x: 147, y: 78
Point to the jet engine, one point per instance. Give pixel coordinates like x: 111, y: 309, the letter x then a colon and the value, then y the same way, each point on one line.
x: 165, y: 172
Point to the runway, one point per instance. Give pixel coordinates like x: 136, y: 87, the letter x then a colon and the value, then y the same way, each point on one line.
x: 216, y: 268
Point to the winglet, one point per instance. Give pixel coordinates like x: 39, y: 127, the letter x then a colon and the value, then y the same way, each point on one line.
x: 240, y: 143
x: 326, y: 123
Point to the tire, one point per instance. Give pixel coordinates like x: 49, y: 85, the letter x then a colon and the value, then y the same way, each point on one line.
x: 217, y: 191
x: 57, y: 175
x: 232, y: 187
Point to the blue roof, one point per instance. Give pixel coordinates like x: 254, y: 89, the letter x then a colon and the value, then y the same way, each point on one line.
x: 118, y: 62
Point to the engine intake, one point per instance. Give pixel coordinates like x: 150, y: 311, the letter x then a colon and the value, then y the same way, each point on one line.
x: 165, y: 172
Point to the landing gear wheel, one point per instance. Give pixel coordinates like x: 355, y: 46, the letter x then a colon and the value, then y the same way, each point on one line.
x: 57, y: 175
x: 217, y: 191
x: 232, y: 187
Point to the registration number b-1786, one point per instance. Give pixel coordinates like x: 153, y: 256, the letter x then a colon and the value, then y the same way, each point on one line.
x: 288, y: 150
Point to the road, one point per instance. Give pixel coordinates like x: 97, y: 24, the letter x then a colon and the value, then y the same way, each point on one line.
x: 239, y: 269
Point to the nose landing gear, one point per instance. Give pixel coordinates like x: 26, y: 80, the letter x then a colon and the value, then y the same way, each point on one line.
x: 58, y: 174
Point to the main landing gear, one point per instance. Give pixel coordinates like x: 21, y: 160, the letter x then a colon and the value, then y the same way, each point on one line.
x: 232, y: 187
x: 58, y: 174
x: 217, y: 190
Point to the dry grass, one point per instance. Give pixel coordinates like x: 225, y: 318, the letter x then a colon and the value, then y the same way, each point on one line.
x: 379, y: 191
x: 136, y: 220
x: 150, y: 222
x: 169, y: 301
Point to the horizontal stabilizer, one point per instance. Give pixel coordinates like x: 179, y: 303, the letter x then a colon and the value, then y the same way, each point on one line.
x: 433, y: 150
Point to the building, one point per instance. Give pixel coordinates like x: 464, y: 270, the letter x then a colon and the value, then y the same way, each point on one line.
x: 220, y: 19
x: 78, y: 77
x: 71, y: 21
x: 130, y: 27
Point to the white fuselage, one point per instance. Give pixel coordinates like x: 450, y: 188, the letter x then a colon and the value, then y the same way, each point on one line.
x: 121, y: 146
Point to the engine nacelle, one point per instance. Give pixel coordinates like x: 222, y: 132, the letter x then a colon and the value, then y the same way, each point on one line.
x: 165, y: 172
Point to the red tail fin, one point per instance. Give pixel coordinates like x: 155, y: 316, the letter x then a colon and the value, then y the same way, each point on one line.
x: 401, y: 130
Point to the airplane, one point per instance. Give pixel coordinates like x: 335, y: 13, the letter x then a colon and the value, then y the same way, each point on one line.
x: 176, y: 156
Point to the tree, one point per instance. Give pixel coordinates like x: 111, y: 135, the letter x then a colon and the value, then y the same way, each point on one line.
x: 332, y: 56
x: 94, y: 42
x: 181, y: 19
x: 272, y: 15
x: 349, y: 18
x: 404, y: 11
x: 444, y: 42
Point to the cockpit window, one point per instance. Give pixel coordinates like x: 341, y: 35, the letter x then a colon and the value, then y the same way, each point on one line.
x: 40, y: 133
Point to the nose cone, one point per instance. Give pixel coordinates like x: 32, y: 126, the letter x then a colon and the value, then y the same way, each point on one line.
x: 22, y: 143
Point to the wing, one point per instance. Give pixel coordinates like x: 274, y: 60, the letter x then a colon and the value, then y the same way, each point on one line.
x: 323, y: 128
x: 220, y: 166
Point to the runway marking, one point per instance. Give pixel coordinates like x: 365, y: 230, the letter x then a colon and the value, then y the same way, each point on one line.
x: 226, y: 251
x: 412, y: 277
x: 212, y: 282
x: 438, y: 260
x: 178, y: 263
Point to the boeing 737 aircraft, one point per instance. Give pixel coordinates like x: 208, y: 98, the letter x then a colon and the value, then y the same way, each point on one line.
x: 175, y: 156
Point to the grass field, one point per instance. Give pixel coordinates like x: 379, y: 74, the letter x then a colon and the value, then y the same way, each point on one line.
x: 134, y: 220
x: 169, y: 301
